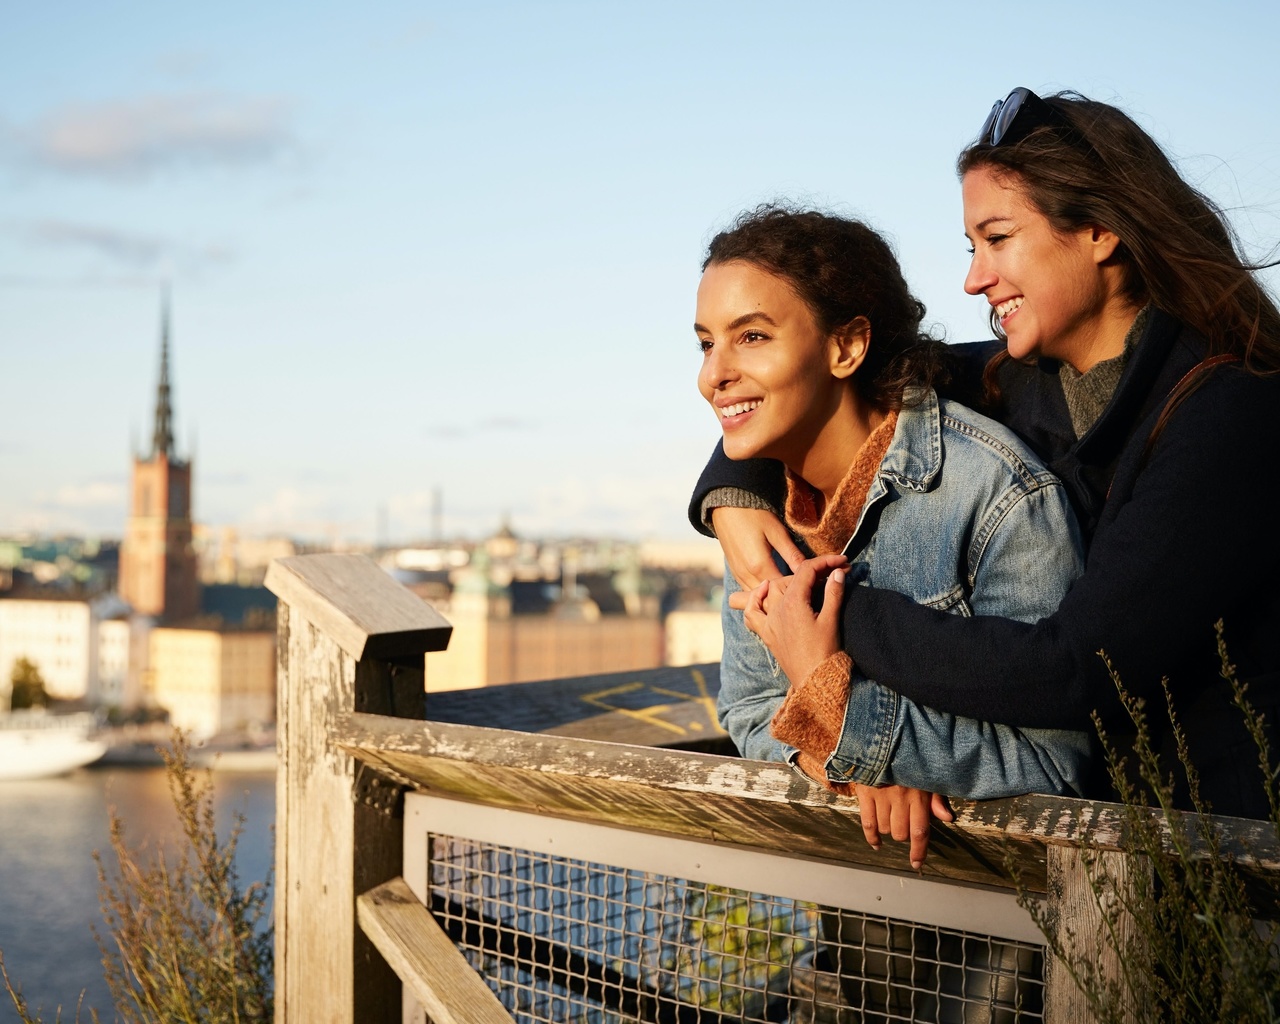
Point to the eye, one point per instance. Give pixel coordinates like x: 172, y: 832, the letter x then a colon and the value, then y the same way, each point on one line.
x: 996, y: 239
x: 704, y: 345
x: 755, y: 336
x: 970, y: 250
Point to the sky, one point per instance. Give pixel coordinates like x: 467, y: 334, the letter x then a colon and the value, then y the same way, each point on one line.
x: 456, y: 246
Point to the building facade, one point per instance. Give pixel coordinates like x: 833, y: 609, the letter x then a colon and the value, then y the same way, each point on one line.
x: 214, y: 680
x: 80, y: 647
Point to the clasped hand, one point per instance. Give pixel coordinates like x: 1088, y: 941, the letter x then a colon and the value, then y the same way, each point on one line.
x: 780, y: 611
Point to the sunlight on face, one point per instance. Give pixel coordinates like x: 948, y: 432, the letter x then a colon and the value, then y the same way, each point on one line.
x: 1045, y: 285
x: 764, y: 363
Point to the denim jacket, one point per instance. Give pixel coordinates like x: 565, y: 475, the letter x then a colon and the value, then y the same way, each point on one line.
x: 992, y: 533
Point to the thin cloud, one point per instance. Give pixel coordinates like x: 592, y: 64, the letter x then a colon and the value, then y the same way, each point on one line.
x: 133, y: 138
x: 90, y: 495
x: 129, y: 249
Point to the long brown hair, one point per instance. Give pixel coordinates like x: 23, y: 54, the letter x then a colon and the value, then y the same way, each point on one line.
x: 1176, y: 246
x: 842, y: 269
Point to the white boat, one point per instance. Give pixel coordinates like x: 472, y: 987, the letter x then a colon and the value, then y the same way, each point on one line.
x: 36, y: 745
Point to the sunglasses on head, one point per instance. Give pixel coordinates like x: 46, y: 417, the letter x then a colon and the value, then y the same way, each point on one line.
x: 1017, y: 116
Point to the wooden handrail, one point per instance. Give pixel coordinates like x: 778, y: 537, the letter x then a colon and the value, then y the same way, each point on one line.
x: 352, y: 734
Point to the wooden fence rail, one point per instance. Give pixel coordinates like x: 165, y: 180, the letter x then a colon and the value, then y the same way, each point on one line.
x: 638, y: 753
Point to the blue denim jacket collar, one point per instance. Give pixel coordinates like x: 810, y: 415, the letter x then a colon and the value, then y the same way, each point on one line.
x: 914, y: 457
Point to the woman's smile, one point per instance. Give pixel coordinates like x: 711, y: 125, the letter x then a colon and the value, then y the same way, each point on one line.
x: 734, y: 414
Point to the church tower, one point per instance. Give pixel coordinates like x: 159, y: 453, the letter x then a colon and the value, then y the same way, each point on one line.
x: 157, y: 561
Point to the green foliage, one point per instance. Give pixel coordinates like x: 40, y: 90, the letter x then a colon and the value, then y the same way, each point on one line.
x: 184, y: 943
x: 1181, y: 913
x: 28, y: 686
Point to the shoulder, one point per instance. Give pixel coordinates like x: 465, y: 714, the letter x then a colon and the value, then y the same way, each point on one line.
x: 1219, y: 442
x: 981, y: 443
x: 1229, y: 412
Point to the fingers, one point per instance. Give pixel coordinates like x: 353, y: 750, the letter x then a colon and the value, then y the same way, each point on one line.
x: 831, y: 598
x: 901, y: 821
x: 739, y: 598
x: 919, y: 826
x: 802, y: 582
x: 867, y: 811
x: 902, y: 813
x: 941, y: 808
x: 753, y: 613
x: 780, y: 538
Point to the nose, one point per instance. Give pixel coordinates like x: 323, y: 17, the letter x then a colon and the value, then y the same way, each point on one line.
x: 981, y: 276
x: 718, y: 370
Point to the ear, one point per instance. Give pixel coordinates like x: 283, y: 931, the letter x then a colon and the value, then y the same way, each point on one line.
x: 847, y: 347
x: 1103, y: 244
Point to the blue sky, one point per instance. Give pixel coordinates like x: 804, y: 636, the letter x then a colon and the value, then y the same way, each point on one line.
x: 456, y: 246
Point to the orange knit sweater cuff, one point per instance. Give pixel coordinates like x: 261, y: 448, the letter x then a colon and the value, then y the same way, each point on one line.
x: 811, y: 716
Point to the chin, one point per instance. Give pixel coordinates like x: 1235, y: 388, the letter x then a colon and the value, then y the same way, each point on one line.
x: 1021, y: 350
x: 739, y: 451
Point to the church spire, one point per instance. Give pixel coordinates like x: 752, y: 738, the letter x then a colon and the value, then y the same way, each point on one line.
x: 162, y: 439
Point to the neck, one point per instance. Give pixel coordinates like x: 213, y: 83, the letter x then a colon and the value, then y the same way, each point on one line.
x: 1106, y: 340
x: 826, y: 461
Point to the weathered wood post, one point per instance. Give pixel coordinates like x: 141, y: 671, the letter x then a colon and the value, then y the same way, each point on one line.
x: 350, y: 638
x: 1089, y: 892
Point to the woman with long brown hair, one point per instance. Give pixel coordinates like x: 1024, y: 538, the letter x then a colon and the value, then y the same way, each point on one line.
x: 1140, y: 361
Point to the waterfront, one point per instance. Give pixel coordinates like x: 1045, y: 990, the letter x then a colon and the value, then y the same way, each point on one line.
x: 49, y: 829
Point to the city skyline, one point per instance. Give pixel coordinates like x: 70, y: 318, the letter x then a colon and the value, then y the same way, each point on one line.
x: 414, y: 248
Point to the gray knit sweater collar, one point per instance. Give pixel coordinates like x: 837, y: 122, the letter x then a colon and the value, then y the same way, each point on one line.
x: 1088, y: 394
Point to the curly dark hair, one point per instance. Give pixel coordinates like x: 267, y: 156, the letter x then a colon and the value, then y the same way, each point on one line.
x: 1176, y: 246
x: 842, y: 270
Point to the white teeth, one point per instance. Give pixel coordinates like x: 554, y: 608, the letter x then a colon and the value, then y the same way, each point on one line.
x: 1005, y: 308
x: 739, y: 409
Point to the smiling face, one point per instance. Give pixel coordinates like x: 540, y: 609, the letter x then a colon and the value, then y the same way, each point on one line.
x: 1056, y: 293
x: 777, y: 381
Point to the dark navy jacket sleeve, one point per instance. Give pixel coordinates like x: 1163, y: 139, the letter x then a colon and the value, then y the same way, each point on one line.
x: 1187, y: 537
x: 764, y: 478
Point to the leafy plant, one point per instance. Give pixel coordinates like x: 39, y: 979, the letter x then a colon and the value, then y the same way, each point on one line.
x: 1180, y: 914
x: 184, y: 943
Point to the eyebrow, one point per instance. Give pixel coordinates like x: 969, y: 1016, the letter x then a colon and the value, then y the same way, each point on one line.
x: 992, y: 220
x: 742, y: 321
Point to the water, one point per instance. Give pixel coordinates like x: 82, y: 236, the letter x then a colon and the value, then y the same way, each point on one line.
x: 49, y: 829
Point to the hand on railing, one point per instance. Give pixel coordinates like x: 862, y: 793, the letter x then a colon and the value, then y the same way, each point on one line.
x: 902, y: 813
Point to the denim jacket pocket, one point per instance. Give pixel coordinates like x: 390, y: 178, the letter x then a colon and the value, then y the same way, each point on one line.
x: 954, y: 601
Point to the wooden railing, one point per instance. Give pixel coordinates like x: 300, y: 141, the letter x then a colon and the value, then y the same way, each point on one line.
x: 627, y: 763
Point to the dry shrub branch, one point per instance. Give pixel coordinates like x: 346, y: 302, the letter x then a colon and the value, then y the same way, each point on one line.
x: 1193, y: 932
x: 184, y: 942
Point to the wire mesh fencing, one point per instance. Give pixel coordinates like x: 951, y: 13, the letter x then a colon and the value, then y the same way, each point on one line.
x: 565, y: 940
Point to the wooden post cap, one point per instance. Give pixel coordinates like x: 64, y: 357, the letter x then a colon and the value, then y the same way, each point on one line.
x: 365, y: 612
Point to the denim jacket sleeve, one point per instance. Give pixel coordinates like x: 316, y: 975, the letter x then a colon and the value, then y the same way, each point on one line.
x: 1022, y: 560
x: 752, y: 686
